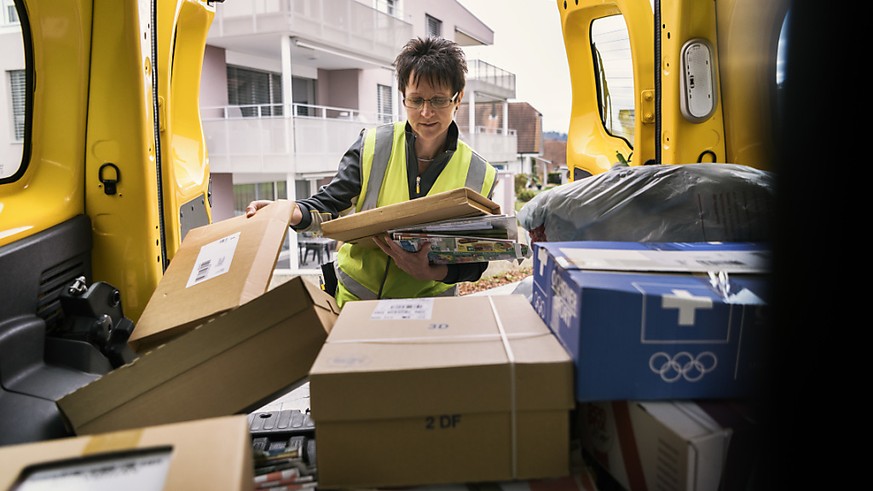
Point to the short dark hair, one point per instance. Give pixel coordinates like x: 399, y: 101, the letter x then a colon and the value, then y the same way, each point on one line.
x: 436, y: 59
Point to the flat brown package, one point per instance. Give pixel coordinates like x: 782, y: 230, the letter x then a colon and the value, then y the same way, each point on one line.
x: 458, y: 203
x: 217, y: 268
x: 234, y: 363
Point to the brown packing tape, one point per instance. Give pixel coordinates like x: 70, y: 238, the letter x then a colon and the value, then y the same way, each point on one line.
x: 111, y: 442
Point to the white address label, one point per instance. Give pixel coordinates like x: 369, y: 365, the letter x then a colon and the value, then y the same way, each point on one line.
x: 213, y: 260
x: 403, y: 309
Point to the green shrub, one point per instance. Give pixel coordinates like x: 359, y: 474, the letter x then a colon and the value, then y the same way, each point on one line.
x: 525, y: 195
x: 520, y: 183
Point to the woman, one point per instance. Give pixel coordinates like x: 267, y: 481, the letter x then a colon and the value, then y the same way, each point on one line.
x: 398, y: 162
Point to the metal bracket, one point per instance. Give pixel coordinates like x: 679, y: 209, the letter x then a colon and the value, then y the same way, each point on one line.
x: 647, y: 104
x: 109, y: 185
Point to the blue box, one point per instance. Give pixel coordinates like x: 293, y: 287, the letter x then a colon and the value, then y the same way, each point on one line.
x: 656, y: 321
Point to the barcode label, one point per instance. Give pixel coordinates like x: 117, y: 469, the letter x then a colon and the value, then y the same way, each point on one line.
x: 213, y: 260
x: 203, y: 271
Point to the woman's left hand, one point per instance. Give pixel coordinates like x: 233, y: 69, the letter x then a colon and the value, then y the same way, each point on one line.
x: 415, y: 264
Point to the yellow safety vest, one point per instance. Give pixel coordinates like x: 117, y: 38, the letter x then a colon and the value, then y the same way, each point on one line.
x: 365, y: 273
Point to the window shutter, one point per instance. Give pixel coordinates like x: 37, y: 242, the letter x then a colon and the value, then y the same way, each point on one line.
x: 434, y: 26
x: 19, y: 96
x: 11, y: 15
x: 384, y: 103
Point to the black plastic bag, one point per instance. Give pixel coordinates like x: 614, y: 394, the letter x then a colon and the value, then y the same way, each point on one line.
x: 659, y: 203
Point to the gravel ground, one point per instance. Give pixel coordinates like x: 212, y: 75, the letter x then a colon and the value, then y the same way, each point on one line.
x: 499, y: 273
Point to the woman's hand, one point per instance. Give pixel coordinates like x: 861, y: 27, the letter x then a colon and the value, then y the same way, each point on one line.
x: 254, y: 206
x: 415, y: 264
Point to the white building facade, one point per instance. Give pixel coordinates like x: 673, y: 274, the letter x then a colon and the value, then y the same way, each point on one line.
x: 287, y: 86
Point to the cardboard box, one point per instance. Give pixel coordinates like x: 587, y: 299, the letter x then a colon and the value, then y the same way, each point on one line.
x: 458, y: 203
x: 207, y: 454
x: 440, y: 390
x: 217, y: 268
x: 232, y: 364
x: 693, y: 447
x: 646, y: 320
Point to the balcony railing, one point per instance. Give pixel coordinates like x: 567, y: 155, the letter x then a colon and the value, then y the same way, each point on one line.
x: 344, y: 24
x: 297, y: 109
x: 492, y: 143
x: 262, y: 139
x: 486, y: 77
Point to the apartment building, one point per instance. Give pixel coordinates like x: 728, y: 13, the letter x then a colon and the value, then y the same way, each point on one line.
x: 519, y: 119
x: 287, y: 85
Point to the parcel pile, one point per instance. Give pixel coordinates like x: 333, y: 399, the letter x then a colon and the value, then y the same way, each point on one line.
x: 640, y: 352
x: 655, y: 278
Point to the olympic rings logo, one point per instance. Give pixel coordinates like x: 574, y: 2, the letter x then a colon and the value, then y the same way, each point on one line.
x: 682, y: 365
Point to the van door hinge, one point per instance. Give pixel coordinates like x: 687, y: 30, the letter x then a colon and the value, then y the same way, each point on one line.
x: 647, y: 106
x: 162, y: 118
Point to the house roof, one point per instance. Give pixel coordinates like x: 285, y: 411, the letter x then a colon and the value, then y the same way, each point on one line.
x: 523, y: 118
x: 555, y: 151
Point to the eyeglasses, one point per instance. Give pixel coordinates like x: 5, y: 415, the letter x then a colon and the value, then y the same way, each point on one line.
x: 437, y: 102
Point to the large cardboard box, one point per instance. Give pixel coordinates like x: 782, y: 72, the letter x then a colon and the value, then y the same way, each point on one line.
x: 206, y: 454
x: 656, y: 320
x: 458, y: 203
x: 440, y: 390
x: 693, y: 447
x: 234, y: 363
x: 218, y: 267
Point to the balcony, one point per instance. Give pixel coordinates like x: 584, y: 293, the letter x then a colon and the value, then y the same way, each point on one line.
x: 261, y: 139
x: 493, y: 144
x: 487, y: 79
x: 345, y: 27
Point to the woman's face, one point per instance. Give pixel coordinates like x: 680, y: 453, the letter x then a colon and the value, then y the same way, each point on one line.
x: 428, y: 122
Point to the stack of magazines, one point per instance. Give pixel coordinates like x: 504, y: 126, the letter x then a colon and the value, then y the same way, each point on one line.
x: 465, y: 240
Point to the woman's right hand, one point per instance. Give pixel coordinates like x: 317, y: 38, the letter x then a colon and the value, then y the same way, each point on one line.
x: 256, y: 205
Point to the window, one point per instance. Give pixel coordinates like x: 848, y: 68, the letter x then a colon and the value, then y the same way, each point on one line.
x: 303, y: 92
x: 10, y: 15
x: 11, y: 152
x: 384, y: 103
x: 433, y: 26
x: 387, y: 6
x: 614, y: 68
x: 243, y: 194
x: 258, y: 93
x: 17, y: 89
